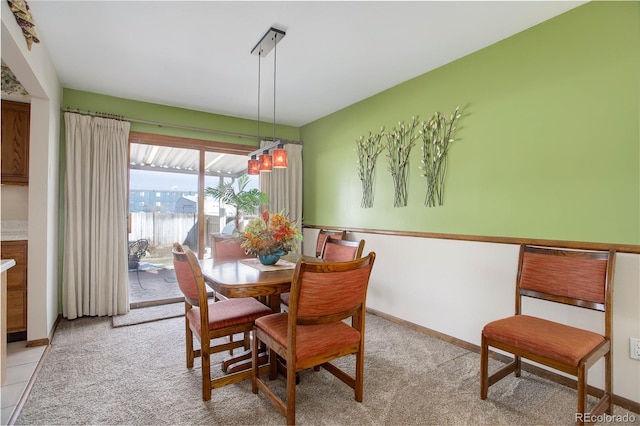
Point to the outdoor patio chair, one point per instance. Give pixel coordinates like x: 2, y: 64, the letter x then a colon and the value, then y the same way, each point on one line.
x: 137, y: 250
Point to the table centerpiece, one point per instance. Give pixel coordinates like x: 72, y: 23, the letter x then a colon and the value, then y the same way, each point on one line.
x: 269, y: 237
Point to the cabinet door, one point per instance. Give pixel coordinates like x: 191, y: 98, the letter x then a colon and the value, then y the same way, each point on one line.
x: 15, y: 143
x: 16, y: 285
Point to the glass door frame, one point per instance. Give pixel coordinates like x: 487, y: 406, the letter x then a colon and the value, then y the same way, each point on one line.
x: 202, y: 146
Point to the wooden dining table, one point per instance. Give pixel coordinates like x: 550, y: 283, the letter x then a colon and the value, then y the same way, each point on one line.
x: 247, y: 278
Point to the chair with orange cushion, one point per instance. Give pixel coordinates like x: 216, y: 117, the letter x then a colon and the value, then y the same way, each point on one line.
x: 335, y: 250
x: 324, y: 234
x: 211, y: 320
x: 578, y: 278
x: 313, y: 333
x: 227, y: 248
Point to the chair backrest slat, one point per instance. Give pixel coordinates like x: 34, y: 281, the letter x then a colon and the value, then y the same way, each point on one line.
x: 185, y: 276
x: 324, y: 234
x: 579, y: 278
x: 227, y: 248
x: 335, y: 250
x: 313, y: 292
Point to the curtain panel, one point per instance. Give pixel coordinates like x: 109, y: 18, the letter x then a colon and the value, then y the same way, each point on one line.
x: 284, y: 186
x: 95, y: 268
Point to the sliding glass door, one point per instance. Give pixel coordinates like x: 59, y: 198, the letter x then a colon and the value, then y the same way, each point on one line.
x: 162, y: 210
x: 167, y: 204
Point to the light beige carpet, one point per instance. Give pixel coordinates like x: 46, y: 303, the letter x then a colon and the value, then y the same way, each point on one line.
x: 99, y: 375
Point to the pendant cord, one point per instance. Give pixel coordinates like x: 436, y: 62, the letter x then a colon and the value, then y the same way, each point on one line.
x: 275, y: 58
x: 259, y: 58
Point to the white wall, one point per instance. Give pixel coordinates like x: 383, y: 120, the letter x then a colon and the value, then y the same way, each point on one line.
x: 15, y: 202
x: 455, y: 287
x: 35, y: 71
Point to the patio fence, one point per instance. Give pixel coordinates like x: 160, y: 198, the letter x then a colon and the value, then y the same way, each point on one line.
x: 167, y: 228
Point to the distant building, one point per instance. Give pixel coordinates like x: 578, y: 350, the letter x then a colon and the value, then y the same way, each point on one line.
x: 157, y: 201
x: 170, y: 202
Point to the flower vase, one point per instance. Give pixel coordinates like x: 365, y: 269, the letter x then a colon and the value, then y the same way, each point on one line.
x: 272, y: 258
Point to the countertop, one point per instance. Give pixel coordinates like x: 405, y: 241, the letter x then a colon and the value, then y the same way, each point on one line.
x: 14, y: 230
x: 6, y: 264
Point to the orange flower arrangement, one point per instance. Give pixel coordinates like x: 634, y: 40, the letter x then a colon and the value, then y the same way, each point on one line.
x: 271, y: 233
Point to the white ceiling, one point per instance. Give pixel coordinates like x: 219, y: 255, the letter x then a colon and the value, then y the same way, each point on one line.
x: 196, y: 54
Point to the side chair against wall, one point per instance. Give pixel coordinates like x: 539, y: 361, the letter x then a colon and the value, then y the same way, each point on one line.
x: 313, y: 333
x: 324, y: 234
x: 579, y: 278
x: 335, y: 250
x: 211, y: 320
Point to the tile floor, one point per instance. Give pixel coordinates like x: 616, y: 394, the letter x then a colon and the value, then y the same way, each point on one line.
x: 21, y: 364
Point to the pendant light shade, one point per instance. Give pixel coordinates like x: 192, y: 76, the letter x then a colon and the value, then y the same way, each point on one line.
x: 280, y: 159
x: 266, y: 162
x: 253, y: 167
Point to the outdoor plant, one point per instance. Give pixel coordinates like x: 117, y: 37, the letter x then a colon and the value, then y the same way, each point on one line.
x: 271, y: 233
x: 243, y: 201
x: 436, y: 139
x: 368, y: 150
x: 399, y: 144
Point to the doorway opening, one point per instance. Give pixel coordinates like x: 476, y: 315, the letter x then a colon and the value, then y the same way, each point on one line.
x: 167, y: 204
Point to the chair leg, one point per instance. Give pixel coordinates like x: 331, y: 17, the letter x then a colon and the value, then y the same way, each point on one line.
x: 255, y: 367
x: 290, y: 407
x: 484, y: 369
x: 582, y: 393
x: 138, y: 275
x: 189, y: 344
x: 608, y: 385
x: 359, y: 382
x: 206, y: 373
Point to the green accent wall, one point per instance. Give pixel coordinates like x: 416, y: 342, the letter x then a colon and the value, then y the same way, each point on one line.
x: 547, y: 145
x: 87, y: 101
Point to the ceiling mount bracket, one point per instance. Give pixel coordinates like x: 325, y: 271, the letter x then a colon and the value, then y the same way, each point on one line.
x: 268, y: 42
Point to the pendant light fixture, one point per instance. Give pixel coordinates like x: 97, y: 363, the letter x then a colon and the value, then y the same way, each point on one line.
x: 253, y: 167
x: 280, y: 157
x: 265, y: 161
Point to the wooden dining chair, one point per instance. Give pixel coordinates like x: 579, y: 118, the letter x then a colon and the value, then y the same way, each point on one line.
x: 324, y: 234
x: 227, y: 248
x: 211, y: 320
x: 338, y: 250
x: 579, y: 278
x: 313, y: 333
x: 335, y: 250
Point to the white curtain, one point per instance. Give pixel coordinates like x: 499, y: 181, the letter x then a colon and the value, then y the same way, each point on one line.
x: 284, y: 186
x: 95, y: 269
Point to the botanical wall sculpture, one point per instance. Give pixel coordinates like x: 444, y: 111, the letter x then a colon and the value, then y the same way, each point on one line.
x: 436, y: 138
x: 436, y: 135
x: 399, y: 144
x: 368, y: 150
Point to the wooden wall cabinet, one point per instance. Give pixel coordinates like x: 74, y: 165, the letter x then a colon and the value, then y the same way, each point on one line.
x: 15, y: 143
x: 16, y: 285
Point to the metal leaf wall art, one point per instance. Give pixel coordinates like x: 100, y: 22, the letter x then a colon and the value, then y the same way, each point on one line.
x: 436, y: 135
x: 368, y: 150
x: 399, y: 144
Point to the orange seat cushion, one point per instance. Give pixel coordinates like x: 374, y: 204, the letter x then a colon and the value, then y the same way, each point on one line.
x: 229, y: 313
x: 312, y: 340
x: 550, y: 339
